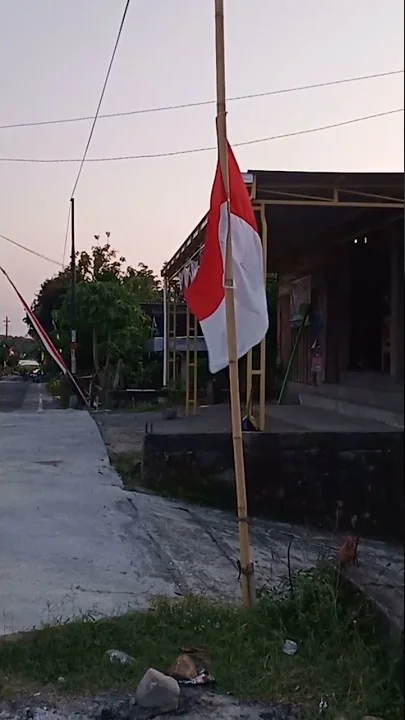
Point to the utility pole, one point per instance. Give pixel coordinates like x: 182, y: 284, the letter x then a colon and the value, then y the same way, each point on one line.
x: 7, y: 323
x: 73, y: 338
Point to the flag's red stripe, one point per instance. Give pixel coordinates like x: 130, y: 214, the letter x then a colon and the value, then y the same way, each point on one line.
x: 241, y: 204
x: 206, y: 292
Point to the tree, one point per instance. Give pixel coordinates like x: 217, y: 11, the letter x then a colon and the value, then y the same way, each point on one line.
x: 101, y: 264
x: 111, y: 329
x: 99, y: 309
x: 4, y: 350
x: 144, y: 283
x: 49, y: 299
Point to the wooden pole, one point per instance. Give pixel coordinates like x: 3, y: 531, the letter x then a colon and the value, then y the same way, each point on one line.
x: 195, y: 365
x: 188, y: 330
x: 73, y: 338
x: 262, y: 420
x: 165, y: 333
x: 246, y: 564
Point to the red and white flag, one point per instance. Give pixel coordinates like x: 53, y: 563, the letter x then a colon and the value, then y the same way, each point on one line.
x: 44, y: 337
x: 205, y: 295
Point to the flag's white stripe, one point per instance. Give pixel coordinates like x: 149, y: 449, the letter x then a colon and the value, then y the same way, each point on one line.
x: 249, y: 294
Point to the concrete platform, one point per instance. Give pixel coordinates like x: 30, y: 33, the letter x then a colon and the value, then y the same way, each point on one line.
x: 217, y: 419
x: 380, y: 401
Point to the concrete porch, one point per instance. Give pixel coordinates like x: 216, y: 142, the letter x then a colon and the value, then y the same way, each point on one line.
x: 359, y: 397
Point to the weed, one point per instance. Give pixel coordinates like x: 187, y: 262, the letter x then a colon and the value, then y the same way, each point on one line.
x: 128, y: 467
x: 339, y: 654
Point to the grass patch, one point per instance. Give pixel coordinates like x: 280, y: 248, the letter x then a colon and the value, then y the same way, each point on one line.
x: 339, y: 654
x: 128, y: 467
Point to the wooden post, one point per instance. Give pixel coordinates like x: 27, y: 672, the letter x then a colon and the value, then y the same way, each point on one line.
x: 188, y: 328
x: 195, y: 365
x: 165, y: 332
x: 262, y: 411
x: 73, y: 338
x: 172, y: 327
x: 249, y: 381
x: 246, y: 564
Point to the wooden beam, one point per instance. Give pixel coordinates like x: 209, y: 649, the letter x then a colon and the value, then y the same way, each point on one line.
x: 332, y: 203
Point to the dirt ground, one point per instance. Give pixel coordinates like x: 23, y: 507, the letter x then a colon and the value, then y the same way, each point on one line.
x: 123, y: 431
x: 195, y: 705
x: 380, y: 576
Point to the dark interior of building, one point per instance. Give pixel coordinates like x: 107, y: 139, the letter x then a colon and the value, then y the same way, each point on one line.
x: 369, y: 304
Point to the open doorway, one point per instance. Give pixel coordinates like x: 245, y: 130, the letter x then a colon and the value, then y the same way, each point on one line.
x: 369, y: 305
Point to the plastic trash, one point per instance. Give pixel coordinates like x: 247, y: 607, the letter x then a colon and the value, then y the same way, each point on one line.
x: 117, y: 657
x: 290, y: 647
x: 323, y: 706
x: 204, y: 678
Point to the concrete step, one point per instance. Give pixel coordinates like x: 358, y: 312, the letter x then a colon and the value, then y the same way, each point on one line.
x: 393, y: 418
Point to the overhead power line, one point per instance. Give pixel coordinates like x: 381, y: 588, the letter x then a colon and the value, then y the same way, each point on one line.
x: 202, y: 103
x: 82, y: 161
x: 30, y: 250
x: 173, y: 153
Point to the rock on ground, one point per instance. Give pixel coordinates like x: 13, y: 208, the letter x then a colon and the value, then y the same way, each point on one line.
x: 159, y: 691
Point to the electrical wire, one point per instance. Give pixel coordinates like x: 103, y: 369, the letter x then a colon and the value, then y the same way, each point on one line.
x: 29, y: 250
x: 82, y: 161
x: 95, y: 118
x: 202, y: 103
x: 191, y: 151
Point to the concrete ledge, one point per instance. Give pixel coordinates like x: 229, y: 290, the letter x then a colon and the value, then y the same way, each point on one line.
x: 336, y: 480
x: 353, y: 409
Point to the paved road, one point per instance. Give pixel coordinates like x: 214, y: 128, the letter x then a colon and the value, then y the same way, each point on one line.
x: 12, y: 394
x: 72, y: 541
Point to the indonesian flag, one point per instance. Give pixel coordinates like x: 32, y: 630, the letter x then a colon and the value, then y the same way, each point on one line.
x: 45, y: 339
x: 205, y: 295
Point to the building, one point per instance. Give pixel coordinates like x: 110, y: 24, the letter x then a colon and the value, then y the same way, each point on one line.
x: 336, y: 241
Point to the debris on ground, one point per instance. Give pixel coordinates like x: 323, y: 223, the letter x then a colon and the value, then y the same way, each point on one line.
x: 191, y: 669
x: 184, y: 668
x: 204, y: 678
x: 158, y: 692
x: 290, y: 647
x: 323, y: 706
x: 117, y: 657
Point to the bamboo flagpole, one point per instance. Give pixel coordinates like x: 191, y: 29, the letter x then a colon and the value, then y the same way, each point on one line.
x: 246, y: 564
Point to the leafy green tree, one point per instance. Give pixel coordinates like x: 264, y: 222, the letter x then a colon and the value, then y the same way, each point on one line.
x: 3, y: 353
x: 110, y: 324
x: 111, y: 329
x: 144, y: 283
x: 49, y: 299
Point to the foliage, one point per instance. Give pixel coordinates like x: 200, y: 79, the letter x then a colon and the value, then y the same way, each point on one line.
x: 339, y: 656
x: 110, y: 325
x: 111, y: 328
x: 3, y: 353
x: 9, y: 354
x: 24, y: 347
x: 49, y: 300
x: 143, y: 283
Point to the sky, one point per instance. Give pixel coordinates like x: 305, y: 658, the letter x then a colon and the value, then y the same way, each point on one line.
x: 53, y: 61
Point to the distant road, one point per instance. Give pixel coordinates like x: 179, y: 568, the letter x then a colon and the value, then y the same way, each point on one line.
x: 12, y: 394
